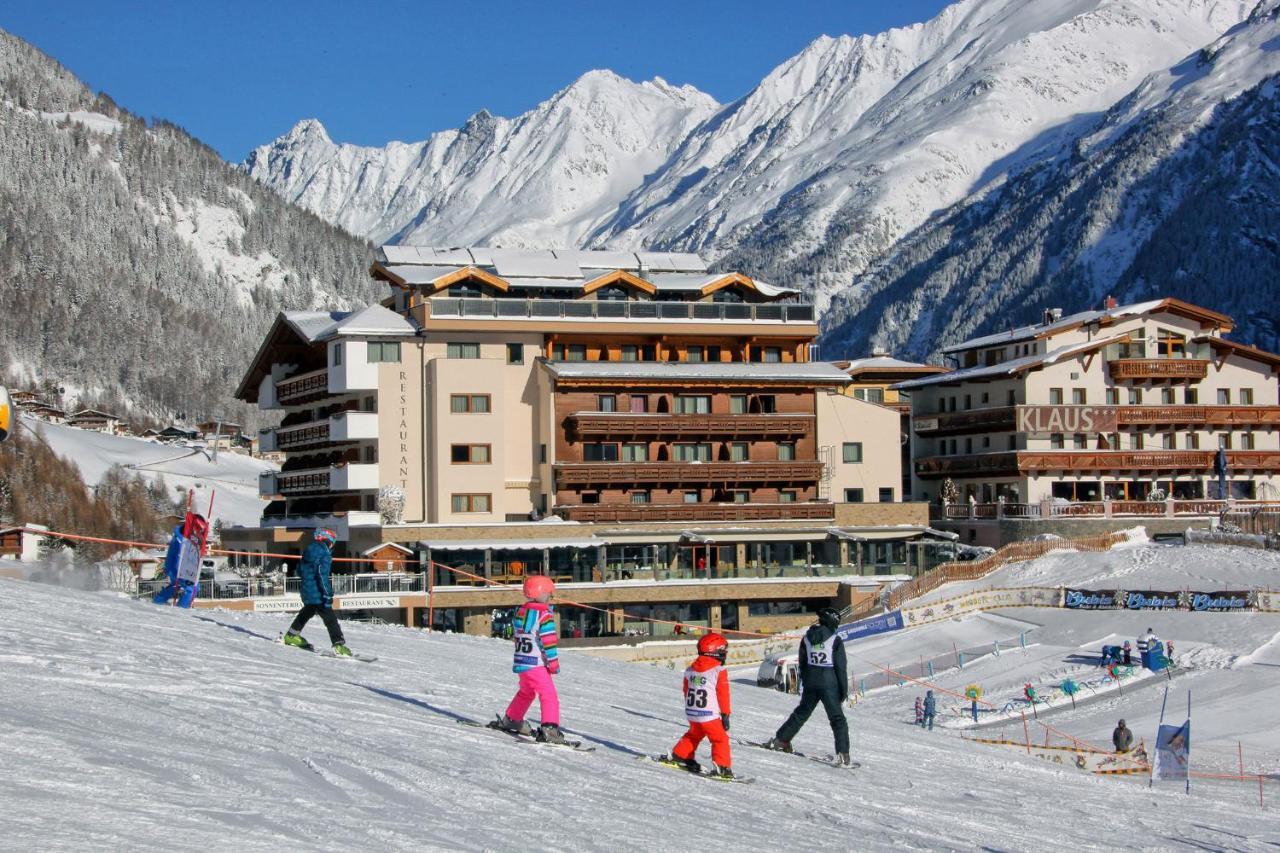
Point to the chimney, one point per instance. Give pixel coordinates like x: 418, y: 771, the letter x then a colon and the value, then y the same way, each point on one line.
x: 879, y: 352
x: 1109, y: 303
x: 1048, y: 316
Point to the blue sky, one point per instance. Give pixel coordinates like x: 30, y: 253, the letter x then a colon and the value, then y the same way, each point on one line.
x: 237, y: 74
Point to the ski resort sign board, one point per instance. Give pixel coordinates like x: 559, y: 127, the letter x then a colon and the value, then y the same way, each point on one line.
x: 1083, y: 419
x: 1219, y: 601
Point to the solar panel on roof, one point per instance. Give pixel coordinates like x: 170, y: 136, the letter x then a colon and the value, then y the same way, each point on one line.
x: 527, y: 263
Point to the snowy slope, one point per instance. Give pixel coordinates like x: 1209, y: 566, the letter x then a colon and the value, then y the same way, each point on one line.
x: 265, y: 748
x: 234, y: 478
x: 543, y: 178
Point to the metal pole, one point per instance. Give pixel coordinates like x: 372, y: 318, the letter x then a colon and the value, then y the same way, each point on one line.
x: 1151, y: 778
x: 1188, y: 745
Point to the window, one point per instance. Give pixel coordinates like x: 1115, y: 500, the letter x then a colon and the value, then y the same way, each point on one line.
x: 691, y: 497
x: 1166, y: 396
x: 600, y: 451
x: 1137, y: 441
x: 612, y: 293
x: 786, y: 451
x: 968, y: 402
x: 640, y: 497
x: 462, y: 350
x: 853, y: 452
x: 1135, y: 347
x: 1079, y: 441
x: 738, y: 451
x: 713, y: 353
x: 1224, y: 440
x: 886, y: 495
x: 1079, y: 396
x: 383, y: 351
x: 738, y: 404
x: 1013, y: 442
x: 853, y: 496
x: 515, y: 353
x: 1246, y: 396
x: 1169, y: 441
x: 741, y: 496
x: 1135, y: 396
x: 968, y: 445
x: 1113, y: 396
x: 695, y: 354
x: 1170, y: 345
x: 871, y: 395
x: 772, y: 355
x: 368, y: 404
x: 787, y: 496
x: 639, y: 404
x: 986, y: 441
x: 689, y: 404
x: 1193, y: 441
x: 1012, y: 397
x: 1055, y: 396
x: 337, y: 355
x: 1246, y: 441
x: 986, y: 398
x: 635, y: 452
x: 469, y: 454
x: 630, y: 352
x: 1055, y: 441
x: 542, y: 453
x: 693, y: 452
x: 568, y: 352
x: 472, y: 503
x: 768, y: 404
x: 473, y: 404
x: 371, y: 454
x: 726, y: 294
x: 1190, y: 396
x: 606, y: 403
x: 465, y: 290
x: 1224, y: 396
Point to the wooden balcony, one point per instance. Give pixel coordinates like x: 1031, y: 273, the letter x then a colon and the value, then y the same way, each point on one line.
x: 1158, y: 368
x: 624, y: 424
x: 294, y: 438
x: 300, y: 389
x: 1206, y: 415
x: 1013, y: 463
x: 632, y: 473
x: 626, y: 512
x: 1001, y: 419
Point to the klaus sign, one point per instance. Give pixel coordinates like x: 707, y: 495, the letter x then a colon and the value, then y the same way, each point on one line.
x: 1050, y: 419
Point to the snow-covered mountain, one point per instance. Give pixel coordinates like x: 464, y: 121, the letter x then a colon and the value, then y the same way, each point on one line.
x: 550, y: 176
x: 1172, y: 192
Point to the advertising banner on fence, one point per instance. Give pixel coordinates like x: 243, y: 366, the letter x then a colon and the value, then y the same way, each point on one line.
x: 1173, y: 752
x: 984, y: 599
x: 1221, y: 601
x: 881, y: 624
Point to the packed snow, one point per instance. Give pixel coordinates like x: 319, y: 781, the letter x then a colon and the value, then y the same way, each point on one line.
x: 232, y: 480
x: 129, y: 725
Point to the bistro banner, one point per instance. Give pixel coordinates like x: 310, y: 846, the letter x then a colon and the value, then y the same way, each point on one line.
x: 1220, y: 601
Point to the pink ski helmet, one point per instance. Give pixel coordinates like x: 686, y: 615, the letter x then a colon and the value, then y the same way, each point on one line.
x: 538, y: 586
x: 324, y: 534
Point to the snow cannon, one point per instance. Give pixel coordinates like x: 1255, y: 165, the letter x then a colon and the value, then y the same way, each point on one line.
x: 6, y: 414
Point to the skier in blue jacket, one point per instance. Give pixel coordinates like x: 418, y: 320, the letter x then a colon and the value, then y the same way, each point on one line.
x: 317, y: 593
x: 930, y: 708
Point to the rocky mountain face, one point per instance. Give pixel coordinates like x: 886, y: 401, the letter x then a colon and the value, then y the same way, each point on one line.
x: 140, y: 270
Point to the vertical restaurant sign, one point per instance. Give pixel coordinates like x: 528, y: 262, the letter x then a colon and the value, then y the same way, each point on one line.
x: 400, y: 431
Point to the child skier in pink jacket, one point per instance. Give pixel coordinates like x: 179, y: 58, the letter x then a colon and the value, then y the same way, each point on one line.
x: 536, y: 660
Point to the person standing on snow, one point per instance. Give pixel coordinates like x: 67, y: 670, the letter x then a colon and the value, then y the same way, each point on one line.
x: 823, y: 678
x: 536, y: 660
x: 920, y: 711
x: 930, y: 709
x: 706, y: 706
x: 1122, y: 738
x: 317, y: 593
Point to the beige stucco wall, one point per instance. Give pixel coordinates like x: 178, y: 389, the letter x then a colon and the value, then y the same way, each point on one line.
x: 841, y: 419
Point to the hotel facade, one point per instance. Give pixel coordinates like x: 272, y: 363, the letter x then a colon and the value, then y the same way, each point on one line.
x: 1106, y: 412
x: 600, y: 416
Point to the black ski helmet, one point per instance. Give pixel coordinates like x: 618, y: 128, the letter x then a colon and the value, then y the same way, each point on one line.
x: 829, y: 618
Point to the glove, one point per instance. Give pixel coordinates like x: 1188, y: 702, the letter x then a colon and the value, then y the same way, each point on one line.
x: 724, y: 718
x: 553, y: 667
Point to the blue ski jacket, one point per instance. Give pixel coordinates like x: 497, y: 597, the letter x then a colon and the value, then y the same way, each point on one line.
x: 313, y: 572
x: 930, y: 705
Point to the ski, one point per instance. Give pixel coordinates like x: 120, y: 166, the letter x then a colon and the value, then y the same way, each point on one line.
x: 327, y: 653
x: 828, y: 760
x: 665, y: 761
x: 575, y: 745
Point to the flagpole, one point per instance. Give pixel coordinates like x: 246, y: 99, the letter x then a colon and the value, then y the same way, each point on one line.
x: 1151, y: 779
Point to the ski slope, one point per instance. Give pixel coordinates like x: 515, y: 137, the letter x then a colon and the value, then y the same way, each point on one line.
x: 128, y: 726
x: 234, y: 477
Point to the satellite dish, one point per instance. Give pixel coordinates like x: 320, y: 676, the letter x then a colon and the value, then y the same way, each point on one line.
x: 6, y: 414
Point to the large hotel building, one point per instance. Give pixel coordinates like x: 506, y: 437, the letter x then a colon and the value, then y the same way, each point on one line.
x: 1101, y: 412
x: 600, y: 416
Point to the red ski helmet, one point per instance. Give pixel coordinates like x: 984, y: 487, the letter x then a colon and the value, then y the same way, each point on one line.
x: 713, y: 645
x: 324, y: 534
x: 538, y: 586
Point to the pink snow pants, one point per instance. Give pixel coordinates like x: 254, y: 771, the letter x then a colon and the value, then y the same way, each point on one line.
x: 536, y: 682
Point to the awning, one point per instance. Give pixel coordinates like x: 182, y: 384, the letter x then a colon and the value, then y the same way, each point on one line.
x: 508, y: 544
x: 876, y: 534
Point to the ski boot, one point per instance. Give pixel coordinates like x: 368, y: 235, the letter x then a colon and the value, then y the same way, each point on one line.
x: 297, y: 640
x: 777, y: 744
x: 341, y: 650
x: 550, y: 733
x: 721, y: 772
x: 842, y: 759
x: 683, y: 763
x: 515, y: 727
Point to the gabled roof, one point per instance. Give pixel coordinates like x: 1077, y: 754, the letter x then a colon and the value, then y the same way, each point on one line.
x: 371, y: 321
x: 819, y: 373
x: 1012, y: 367
x: 887, y: 365
x: 1104, y: 317
x: 1245, y: 350
x: 94, y: 413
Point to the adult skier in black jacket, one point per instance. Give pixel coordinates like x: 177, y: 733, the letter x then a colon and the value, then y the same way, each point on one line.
x: 824, y: 679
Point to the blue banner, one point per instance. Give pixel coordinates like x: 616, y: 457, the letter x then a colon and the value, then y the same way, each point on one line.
x: 1173, y: 752
x: 881, y: 624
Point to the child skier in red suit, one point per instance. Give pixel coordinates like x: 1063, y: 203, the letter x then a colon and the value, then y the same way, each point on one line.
x: 706, y: 705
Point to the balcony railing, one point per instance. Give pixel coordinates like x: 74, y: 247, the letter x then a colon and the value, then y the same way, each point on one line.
x: 613, y: 513
x: 1049, y: 509
x: 1026, y: 461
x: 292, y: 438
x: 1011, y: 418
x: 665, y: 425
x: 583, y: 309
x: 630, y: 473
x: 1158, y: 368
x: 303, y: 386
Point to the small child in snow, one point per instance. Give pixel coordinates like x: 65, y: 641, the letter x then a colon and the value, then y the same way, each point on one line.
x: 1128, y: 654
x: 706, y: 705
x: 930, y: 708
x: 920, y: 711
x: 535, y: 661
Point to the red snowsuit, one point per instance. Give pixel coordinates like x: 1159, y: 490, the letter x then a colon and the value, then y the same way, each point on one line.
x: 713, y: 729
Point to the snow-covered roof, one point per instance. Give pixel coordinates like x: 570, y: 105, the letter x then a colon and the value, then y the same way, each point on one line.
x: 369, y: 321
x: 886, y: 363
x: 818, y: 372
x: 312, y: 325
x: 1012, y: 366
x: 509, y: 544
